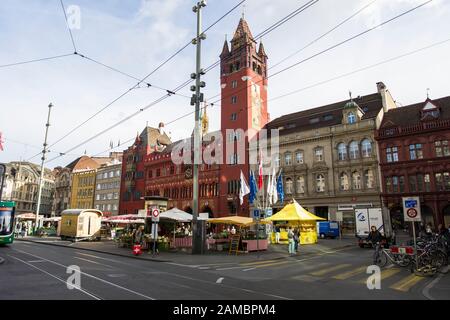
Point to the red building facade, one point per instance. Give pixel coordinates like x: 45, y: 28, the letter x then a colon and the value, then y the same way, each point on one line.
x: 148, y: 168
x: 164, y: 178
x: 132, y: 185
x: 414, y: 143
x: 244, y: 107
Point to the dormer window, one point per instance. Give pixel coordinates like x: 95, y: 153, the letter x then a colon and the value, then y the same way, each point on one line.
x: 430, y: 111
x: 351, y: 118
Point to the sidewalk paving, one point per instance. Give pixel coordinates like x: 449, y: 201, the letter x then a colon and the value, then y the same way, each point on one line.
x: 186, y: 258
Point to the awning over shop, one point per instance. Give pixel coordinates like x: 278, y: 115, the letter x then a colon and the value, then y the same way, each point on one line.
x: 28, y: 216
x: 53, y: 219
x: 176, y: 215
x: 236, y: 220
x: 294, y: 212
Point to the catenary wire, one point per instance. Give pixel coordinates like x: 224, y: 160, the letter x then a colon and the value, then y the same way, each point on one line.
x: 68, y: 27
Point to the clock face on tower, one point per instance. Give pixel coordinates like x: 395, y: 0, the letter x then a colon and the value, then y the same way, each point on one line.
x: 256, y: 106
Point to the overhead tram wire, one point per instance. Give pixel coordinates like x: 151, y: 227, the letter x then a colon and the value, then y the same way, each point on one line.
x: 336, y: 77
x: 360, y: 69
x: 324, y: 34
x: 36, y: 60
x: 172, y: 92
x: 184, y: 84
x: 68, y: 27
x: 334, y: 46
x: 316, y: 39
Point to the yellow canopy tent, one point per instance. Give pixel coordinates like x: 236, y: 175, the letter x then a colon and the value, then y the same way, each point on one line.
x: 237, y: 220
x: 296, y: 215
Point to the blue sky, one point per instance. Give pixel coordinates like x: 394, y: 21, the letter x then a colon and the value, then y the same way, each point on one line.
x: 136, y: 35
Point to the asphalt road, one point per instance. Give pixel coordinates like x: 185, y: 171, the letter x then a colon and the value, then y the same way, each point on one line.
x: 36, y: 271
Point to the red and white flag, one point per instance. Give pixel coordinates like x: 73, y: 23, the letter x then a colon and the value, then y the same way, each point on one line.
x: 260, y: 177
x: 1, y: 142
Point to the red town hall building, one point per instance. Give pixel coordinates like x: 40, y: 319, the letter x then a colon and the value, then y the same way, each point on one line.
x: 414, y: 143
x: 148, y: 169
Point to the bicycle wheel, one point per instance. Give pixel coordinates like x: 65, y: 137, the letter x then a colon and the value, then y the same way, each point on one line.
x: 403, y: 260
x: 382, y: 259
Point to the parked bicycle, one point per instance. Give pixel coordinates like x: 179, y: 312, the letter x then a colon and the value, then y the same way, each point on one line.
x: 401, y: 256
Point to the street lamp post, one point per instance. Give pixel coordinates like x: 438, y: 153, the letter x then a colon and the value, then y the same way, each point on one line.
x: 44, y: 151
x: 197, y: 98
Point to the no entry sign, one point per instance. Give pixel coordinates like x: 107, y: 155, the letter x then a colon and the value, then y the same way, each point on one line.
x: 411, y: 209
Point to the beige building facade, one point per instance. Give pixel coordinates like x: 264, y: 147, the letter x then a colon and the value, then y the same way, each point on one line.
x: 107, y: 189
x: 328, y: 156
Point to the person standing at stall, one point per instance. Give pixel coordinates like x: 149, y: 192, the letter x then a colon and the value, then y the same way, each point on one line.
x: 291, y: 246
x: 296, y: 239
x: 277, y: 234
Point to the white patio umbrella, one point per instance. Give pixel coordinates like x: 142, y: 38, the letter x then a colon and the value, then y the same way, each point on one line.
x: 176, y: 215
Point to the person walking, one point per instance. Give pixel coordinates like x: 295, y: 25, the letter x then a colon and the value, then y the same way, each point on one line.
x: 296, y: 239
x: 291, y: 246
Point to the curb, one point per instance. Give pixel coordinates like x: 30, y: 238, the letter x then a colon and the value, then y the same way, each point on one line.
x: 92, y: 250
x: 139, y: 258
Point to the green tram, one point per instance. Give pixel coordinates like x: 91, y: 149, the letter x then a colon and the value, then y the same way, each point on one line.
x: 7, y: 209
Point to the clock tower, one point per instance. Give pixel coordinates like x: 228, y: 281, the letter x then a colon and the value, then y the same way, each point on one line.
x: 243, y: 79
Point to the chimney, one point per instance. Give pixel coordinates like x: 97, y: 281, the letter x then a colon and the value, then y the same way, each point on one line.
x: 387, y: 100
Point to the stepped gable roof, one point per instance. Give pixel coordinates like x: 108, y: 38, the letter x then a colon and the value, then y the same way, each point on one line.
x: 328, y: 115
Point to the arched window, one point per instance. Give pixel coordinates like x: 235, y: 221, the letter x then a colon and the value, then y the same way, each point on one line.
x: 368, y: 179
x: 351, y: 118
x: 366, y: 148
x: 344, y: 183
x: 301, y: 185
x: 354, y: 150
x: 320, y: 183
x: 342, y: 151
x: 288, y: 159
x: 289, y: 186
x: 356, y: 180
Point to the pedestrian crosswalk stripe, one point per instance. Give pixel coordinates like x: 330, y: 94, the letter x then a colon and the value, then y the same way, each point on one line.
x: 330, y: 269
x: 271, y: 264
x: 386, y: 273
x: 406, y: 283
x: 349, y: 274
x: 258, y: 262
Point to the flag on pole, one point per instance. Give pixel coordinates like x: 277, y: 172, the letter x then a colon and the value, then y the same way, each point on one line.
x: 1, y: 141
x: 269, y: 189
x: 245, y: 190
x: 260, y: 171
x: 274, y: 194
x: 253, y: 188
x: 280, y: 188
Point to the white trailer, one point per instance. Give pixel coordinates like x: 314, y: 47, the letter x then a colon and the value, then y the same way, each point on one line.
x: 365, y: 219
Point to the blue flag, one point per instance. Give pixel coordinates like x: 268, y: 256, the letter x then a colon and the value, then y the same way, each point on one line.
x: 253, y: 189
x: 280, y: 188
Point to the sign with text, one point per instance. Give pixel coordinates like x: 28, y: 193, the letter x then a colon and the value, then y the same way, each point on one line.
x: 256, y: 214
x: 411, y: 209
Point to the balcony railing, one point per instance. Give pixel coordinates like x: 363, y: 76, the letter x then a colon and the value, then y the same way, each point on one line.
x: 418, y: 127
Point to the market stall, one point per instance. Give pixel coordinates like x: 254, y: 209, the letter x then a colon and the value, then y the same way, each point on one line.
x: 181, y: 237
x: 294, y: 215
x: 248, y: 240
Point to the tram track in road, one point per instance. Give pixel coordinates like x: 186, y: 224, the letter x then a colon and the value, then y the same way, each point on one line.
x: 88, y: 275
x: 161, y: 279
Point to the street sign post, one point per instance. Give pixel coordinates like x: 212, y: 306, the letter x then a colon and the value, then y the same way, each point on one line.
x: 412, y: 213
x: 155, y: 220
x: 256, y: 214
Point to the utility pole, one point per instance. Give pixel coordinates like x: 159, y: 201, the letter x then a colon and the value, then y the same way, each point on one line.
x: 197, y: 98
x: 41, y: 178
